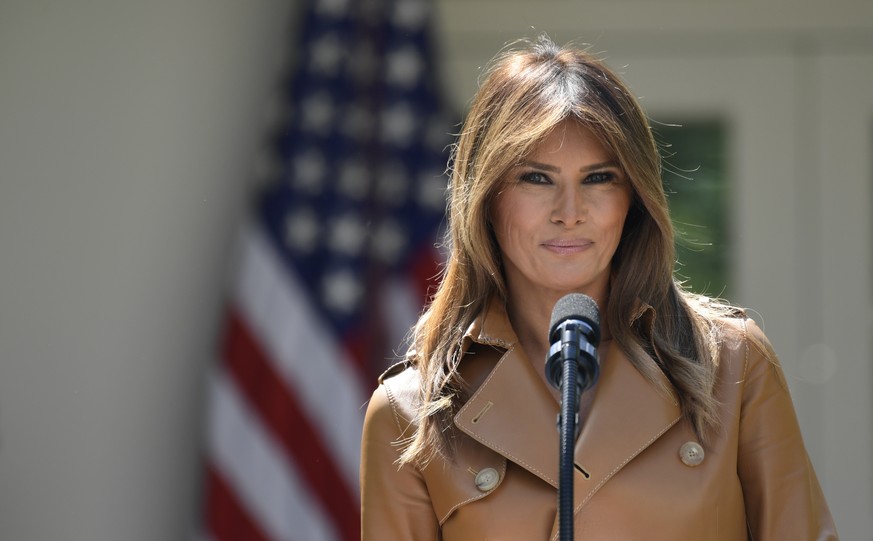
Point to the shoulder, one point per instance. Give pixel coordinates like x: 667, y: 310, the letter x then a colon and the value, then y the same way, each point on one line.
x: 397, y: 396
x: 741, y: 332
x: 746, y: 348
x: 403, y: 380
x: 729, y: 326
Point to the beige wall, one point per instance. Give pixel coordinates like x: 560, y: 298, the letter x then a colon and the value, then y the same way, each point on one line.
x: 127, y: 134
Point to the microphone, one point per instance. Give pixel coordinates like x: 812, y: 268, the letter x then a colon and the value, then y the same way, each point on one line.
x: 574, y: 334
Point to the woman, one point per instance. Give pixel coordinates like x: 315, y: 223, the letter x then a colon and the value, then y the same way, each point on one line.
x: 690, y: 432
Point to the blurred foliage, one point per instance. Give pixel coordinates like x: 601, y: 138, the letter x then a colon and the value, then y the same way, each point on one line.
x: 695, y: 175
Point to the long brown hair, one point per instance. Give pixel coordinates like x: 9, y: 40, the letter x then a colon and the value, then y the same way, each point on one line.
x: 524, y: 94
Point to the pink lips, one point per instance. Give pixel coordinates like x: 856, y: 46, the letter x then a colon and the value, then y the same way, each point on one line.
x: 567, y: 246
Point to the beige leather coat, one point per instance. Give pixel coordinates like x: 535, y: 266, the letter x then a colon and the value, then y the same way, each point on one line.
x: 639, y: 472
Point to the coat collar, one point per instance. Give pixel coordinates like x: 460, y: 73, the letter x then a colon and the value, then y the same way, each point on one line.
x: 513, y: 413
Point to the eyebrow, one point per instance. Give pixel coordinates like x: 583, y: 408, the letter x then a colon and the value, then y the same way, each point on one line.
x: 586, y: 169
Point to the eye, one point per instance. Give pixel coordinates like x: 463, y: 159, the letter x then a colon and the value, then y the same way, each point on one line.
x: 534, y: 177
x: 600, y: 177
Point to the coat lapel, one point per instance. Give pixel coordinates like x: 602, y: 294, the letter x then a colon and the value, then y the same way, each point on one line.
x: 627, y: 415
x: 511, y: 411
x: 514, y: 414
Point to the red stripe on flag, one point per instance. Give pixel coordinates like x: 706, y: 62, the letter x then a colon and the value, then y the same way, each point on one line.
x: 424, y: 270
x: 226, y: 519
x: 259, y: 381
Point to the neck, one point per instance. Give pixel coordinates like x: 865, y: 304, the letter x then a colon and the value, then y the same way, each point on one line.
x: 530, y: 316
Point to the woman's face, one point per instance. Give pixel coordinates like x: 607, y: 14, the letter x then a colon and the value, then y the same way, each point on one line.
x: 559, y: 216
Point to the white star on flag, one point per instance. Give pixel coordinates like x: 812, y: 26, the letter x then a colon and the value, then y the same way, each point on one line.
x: 309, y: 171
x: 327, y: 54
x: 301, y: 230
x: 399, y: 124
x: 347, y: 235
x: 404, y: 67
x: 342, y: 291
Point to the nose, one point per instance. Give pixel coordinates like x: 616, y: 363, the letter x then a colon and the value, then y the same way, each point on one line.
x: 569, y: 207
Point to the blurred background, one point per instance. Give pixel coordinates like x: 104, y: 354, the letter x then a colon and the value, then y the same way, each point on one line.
x: 217, y: 218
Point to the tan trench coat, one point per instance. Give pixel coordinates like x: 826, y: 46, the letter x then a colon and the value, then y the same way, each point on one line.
x: 636, y: 477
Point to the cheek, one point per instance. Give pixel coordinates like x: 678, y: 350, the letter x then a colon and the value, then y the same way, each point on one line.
x: 505, y: 215
x: 613, y: 217
x: 618, y: 219
x: 619, y: 208
x: 505, y: 230
x: 514, y: 230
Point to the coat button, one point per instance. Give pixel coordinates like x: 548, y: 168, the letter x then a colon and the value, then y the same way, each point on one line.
x: 691, y: 453
x: 487, y: 479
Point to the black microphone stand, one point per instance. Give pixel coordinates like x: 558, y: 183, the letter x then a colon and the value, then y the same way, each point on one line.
x: 579, y: 370
x: 568, y: 421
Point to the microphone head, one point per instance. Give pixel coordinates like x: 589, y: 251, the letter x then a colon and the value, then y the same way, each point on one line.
x: 576, y: 306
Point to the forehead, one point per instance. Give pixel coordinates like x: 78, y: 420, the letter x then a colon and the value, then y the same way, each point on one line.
x: 569, y: 138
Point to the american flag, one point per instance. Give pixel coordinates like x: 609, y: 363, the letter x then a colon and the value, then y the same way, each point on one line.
x: 333, y: 267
